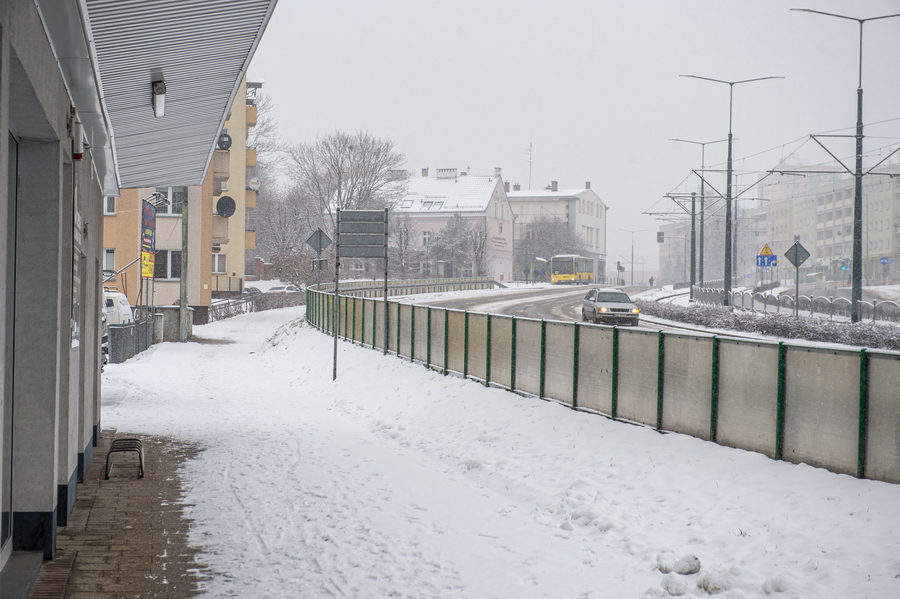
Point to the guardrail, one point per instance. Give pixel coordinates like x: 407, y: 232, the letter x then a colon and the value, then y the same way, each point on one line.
x: 830, y: 408
x: 885, y: 311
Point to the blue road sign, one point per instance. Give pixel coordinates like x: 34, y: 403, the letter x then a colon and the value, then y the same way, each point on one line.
x: 766, y: 260
x: 886, y: 261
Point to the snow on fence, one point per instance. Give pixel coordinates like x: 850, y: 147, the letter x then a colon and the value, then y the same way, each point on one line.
x: 803, y: 403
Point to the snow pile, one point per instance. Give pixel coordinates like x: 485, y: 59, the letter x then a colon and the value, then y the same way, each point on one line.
x: 395, y: 481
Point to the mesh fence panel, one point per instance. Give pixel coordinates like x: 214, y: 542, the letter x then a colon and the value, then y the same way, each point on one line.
x: 638, y: 351
x: 404, y: 343
x: 595, y: 368
x: 456, y: 341
x: 477, y: 344
x: 378, y: 320
x: 821, y: 408
x: 421, y: 316
x: 559, y: 355
x: 687, y: 384
x: 437, y: 336
x: 883, y: 444
x: 501, y: 349
x: 748, y: 395
x: 528, y: 356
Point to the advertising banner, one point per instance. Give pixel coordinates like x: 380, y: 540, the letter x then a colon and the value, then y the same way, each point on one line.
x: 148, y: 240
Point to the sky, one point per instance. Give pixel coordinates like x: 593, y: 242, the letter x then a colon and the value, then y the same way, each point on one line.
x: 396, y: 481
x: 587, y: 90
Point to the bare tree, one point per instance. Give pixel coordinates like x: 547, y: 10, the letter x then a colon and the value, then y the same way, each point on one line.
x: 347, y: 171
x: 548, y: 236
x: 481, y: 248
x: 403, y: 230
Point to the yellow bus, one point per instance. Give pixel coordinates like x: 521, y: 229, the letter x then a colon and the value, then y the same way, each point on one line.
x: 571, y: 268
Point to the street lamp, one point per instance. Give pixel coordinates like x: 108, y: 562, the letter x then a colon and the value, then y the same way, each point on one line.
x: 632, y: 250
x: 730, y: 84
x: 702, y: 145
x: 856, y: 264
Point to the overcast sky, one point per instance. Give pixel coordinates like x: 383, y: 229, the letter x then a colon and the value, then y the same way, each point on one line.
x: 592, y: 87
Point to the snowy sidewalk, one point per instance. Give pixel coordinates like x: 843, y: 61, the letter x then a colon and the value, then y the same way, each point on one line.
x: 397, y: 481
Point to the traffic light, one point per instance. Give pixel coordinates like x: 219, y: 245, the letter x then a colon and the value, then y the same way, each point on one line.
x: 619, y: 267
x: 660, y: 236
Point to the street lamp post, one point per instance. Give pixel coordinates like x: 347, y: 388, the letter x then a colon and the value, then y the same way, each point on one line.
x: 728, y: 218
x: 632, y: 250
x: 702, y: 145
x: 856, y: 264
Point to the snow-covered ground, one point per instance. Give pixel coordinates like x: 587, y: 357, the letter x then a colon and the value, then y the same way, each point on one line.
x: 395, y: 481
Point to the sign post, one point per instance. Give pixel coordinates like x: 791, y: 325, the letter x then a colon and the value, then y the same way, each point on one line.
x: 360, y: 234
x: 797, y: 255
x: 318, y: 241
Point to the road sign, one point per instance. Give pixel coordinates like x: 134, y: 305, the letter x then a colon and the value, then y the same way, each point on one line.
x: 886, y: 261
x: 318, y: 240
x: 362, y: 233
x: 766, y: 260
x: 766, y: 251
x: 797, y: 254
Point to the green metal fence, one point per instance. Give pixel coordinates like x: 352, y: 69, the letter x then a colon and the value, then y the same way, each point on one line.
x: 832, y: 408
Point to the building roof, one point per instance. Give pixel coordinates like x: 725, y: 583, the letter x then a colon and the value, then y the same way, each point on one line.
x: 460, y: 193
x: 110, y: 56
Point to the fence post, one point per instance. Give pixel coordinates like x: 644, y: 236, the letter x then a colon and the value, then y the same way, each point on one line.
x: 714, y: 392
x: 575, y: 347
x: 660, y: 362
x: 375, y: 322
x: 614, y: 391
x: 512, y: 357
x: 863, y: 412
x: 465, y: 372
x: 487, y: 353
x: 779, y: 416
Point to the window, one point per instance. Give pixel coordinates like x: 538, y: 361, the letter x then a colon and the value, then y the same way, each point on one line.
x: 427, y: 237
x: 219, y: 264
x: 176, y: 196
x: 427, y: 205
x: 109, y: 206
x: 168, y: 264
x: 109, y: 260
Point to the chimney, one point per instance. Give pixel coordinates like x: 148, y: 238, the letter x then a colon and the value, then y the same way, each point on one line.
x: 496, y: 171
x: 517, y: 187
x: 506, y: 186
x: 587, y: 184
x: 554, y: 186
x: 446, y: 173
x: 425, y: 172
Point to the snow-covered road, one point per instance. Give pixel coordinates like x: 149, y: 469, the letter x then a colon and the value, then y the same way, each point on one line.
x: 395, y: 481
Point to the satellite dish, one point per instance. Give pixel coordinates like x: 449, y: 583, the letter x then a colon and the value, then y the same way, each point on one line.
x: 224, y: 141
x: 225, y: 206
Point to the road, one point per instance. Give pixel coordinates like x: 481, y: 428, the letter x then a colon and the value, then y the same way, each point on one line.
x: 547, y: 303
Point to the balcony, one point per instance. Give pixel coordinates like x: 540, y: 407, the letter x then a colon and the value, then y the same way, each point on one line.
x: 219, y: 230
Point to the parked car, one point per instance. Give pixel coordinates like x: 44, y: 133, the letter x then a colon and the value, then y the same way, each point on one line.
x: 284, y: 289
x: 610, y: 306
x: 116, y: 307
x: 251, y: 291
x: 104, y: 341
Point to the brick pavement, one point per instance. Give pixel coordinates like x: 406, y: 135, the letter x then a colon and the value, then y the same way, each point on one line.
x: 127, y: 536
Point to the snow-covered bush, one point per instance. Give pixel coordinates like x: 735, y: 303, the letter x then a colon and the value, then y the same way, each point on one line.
x: 778, y: 325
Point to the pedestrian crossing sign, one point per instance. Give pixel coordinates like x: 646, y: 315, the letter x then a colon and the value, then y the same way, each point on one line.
x: 766, y: 251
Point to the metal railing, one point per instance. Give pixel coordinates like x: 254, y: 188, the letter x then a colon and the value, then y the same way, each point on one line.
x: 819, y: 405
x: 885, y: 311
x: 128, y: 340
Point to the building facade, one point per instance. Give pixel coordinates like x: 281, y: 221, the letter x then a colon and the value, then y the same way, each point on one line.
x: 66, y: 148
x: 582, y: 210
x: 481, y: 201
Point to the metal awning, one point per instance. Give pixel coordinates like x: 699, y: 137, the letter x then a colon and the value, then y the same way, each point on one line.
x: 111, y: 51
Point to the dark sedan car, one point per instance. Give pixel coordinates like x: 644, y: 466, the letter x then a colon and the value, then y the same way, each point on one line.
x: 611, y: 306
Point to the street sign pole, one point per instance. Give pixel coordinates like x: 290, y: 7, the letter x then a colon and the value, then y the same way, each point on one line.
x: 797, y: 255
